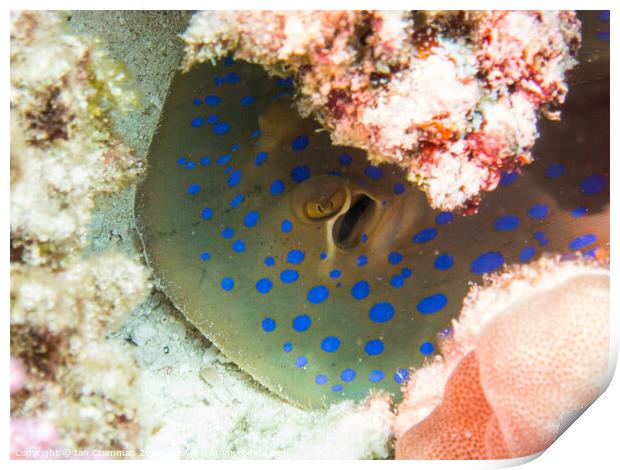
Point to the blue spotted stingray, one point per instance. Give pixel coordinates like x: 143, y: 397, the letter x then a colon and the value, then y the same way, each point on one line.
x: 325, y: 276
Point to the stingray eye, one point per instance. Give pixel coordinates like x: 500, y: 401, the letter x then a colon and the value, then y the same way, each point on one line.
x: 323, y: 209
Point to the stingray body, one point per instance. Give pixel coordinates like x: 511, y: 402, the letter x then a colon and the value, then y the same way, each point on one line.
x: 320, y: 274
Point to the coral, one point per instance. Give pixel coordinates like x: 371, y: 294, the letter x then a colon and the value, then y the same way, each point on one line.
x: 452, y: 97
x: 57, y: 118
x: 63, y: 305
x: 527, y: 349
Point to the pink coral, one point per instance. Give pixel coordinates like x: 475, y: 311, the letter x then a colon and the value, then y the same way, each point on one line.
x: 526, y: 350
x: 452, y: 97
x: 30, y: 437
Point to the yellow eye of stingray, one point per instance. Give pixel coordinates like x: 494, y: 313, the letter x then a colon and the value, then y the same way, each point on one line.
x: 322, y: 209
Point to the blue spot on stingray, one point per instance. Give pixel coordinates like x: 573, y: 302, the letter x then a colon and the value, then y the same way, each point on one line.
x: 335, y: 274
x: 263, y: 285
x: 555, y: 171
x: 507, y: 178
x: 204, y: 161
x: 347, y: 375
x: 301, y: 361
x: 374, y: 172
x: 261, y: 157
x: 401, y: 376
x: 397, y: 281
x: 364, y: 237
x: 212, y: 100
x: 487, y: 262
x: 270, y: 261
x: 232, y: 78
x: 235, y: 147
x: 256, y: 133
x: 318, y: 294
x: 360, y: 290
x: 205, y: 256
x: 579, y: 211
x: 300, y: 173
x: 228, y: 60
x: 336, y: 388
x: 277, y: 187
x: 301, y: 323
x: 198, y: 122
x: 443, y: 262
x: 444, y: 218
x: 582, y: 241
x: 233, y: 180
x: 268, y: 324
x: 398, y: 188
x: 228, y: 169
x: 375, y: 376
x: 191, y: 166
x: 238, y: 246
x: 395, y: 258
x: 427, y: 348
x: 212, y: 118
x: 374, y: 347
x: 217, y: 81
x: 224, y: 159
x: 381, y: 312
x: 193, y: 189
x: 432, y: 304
x: 286, y: 226
x: 227, y: 283
x: 592, y: 185
x: 207, y: 213
x: 330, y: 344
x: 538, y: 211
x: 345, y: 159
x: 287, y: 347
x: 300, y: 142
x: 323, y: 255
x: 362, y: 260
x: 425, y: 235
x: 251, y: 219
x: 182, y: 161
x: 228, y: 232
x: 221, y: 128
x: 289, y: 276
x: 197, y: 101
x: 247, y: 100
x: 320, y: 379
x: 527, y: 254
x: 237, y: 200
x: 295, y: 256
x: 603, y: 35
x: 406, y: 273
x: 507, y: 223
x: 539, y: 235
x: 285, y: 82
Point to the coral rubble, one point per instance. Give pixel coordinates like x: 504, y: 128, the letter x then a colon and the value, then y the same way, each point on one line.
x: 63, y: 304
x: 453, y: 97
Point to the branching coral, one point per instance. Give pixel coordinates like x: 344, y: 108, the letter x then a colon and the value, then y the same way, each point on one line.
x: 526, y: 350
x: 452, y: 97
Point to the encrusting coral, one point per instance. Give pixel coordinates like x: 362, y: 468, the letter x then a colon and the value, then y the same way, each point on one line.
x: 527, y: 349
x: 452, y: 97
x: 62, y: 304
x: 57, y: 118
